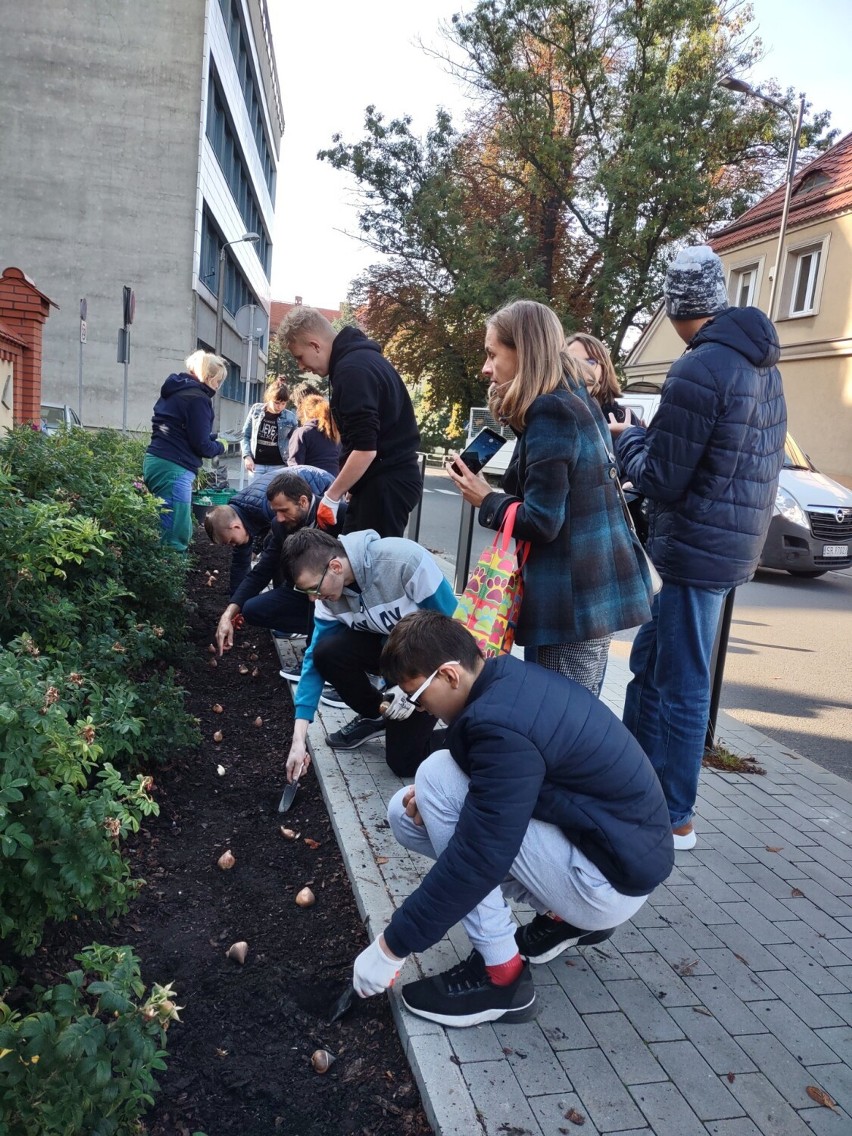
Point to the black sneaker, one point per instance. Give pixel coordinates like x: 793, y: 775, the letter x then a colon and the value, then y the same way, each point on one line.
x: 356, y: 732
x: 292, y: 672
x: 466, y: 996
x: 330, y: 697
x: 545, y: 938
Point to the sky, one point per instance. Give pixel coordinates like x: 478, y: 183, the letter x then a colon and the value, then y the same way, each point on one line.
x: 335, y: 60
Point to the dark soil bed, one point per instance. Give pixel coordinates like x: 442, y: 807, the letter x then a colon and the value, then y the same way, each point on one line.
x: 240, y: 1061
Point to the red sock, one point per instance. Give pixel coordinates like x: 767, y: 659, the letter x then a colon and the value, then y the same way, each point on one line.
x: 505, y: 973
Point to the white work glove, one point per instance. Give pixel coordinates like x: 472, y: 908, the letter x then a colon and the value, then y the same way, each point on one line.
x: 374, y: 971
x: 327, y: 512
x: 398, y: 706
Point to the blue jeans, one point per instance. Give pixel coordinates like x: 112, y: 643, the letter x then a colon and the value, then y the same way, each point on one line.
x: 667, y: 703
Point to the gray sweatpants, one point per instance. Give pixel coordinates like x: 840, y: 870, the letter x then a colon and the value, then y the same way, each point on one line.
x: 548, y: 874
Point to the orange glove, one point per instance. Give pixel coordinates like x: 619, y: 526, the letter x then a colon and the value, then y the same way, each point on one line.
x: 327, y: 512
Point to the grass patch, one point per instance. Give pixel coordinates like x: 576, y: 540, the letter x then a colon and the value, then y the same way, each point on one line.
x: 721, y: 758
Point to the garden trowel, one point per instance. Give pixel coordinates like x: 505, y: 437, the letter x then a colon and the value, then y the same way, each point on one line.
x: 288, y: 796
x: 341, y: 1005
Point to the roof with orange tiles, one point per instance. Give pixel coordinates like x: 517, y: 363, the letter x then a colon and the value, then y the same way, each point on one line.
x: 280, y: 309
x: 821, y: 190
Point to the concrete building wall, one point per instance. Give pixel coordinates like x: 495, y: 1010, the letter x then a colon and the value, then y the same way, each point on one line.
x: 101, y: 108
x: 104, y: 107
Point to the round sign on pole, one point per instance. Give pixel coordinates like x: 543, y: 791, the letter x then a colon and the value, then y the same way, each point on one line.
x: 251, y: 321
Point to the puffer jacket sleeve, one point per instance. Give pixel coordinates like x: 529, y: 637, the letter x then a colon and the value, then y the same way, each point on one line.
x: 661, y: 460
x: 506, y: 774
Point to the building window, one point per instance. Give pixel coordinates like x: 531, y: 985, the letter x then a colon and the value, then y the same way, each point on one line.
x: 237, y: 290
x: 223, y: 139
x: 742, y: 287
x: 805, y: 264
x: 248, y: 82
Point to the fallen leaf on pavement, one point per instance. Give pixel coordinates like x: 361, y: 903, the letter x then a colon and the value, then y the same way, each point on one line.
x: 820, y: 1096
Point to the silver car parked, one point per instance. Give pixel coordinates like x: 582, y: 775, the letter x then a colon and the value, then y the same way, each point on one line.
x: 56, y: 417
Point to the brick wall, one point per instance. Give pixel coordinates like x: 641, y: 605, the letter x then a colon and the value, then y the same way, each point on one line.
x: 23, y: 311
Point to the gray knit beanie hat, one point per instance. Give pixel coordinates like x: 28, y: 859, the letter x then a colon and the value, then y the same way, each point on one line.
x: 695, y: 284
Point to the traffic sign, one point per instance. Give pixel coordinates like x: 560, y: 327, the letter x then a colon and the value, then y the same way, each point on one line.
x: 251, y: 321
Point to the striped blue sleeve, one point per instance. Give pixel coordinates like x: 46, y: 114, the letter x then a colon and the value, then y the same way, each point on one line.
x: 442, y: 600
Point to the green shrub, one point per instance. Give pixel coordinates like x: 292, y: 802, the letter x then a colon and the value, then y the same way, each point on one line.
x: 83, y: 570
x: 63, y: 809
x: 84, y: 1060
x: 96, y: 481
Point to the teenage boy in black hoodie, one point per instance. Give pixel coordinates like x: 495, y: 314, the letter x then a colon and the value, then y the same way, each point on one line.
x: 373, y: 411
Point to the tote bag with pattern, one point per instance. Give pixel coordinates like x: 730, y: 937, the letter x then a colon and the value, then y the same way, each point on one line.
x: 490, y: 605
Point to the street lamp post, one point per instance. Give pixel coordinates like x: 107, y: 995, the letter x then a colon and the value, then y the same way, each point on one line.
x: 720, y: 649
x: 731, y: 83
x: 250, y: 238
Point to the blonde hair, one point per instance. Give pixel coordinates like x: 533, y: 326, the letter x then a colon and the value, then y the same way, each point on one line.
x: 605, y: 387
x: 276, y: 391
x: 544, y: 365
x: 206, y: 366
x: 301, y: 321
x: 317, y: 407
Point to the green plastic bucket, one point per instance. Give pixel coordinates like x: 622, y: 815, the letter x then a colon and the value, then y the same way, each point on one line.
x: 207, y: 498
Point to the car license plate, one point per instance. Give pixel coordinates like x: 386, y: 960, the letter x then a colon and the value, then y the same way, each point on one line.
x: 835, y: 550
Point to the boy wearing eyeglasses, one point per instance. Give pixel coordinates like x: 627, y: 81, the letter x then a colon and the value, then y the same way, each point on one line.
x: 361, y: 586
x: 542, y: 796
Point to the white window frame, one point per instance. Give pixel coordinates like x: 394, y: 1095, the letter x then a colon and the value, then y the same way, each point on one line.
x: 793, y: 264
x: 735, y: 276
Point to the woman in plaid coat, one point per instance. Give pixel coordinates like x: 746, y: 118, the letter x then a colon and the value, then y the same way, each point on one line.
x: 585, y: 577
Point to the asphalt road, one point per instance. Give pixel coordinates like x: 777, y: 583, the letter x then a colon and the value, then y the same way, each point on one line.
x: 788, y: 671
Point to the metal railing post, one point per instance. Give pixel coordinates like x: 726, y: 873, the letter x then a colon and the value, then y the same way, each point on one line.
x: 414, y: 517
x: 717, y: 665
x: 463, y: 547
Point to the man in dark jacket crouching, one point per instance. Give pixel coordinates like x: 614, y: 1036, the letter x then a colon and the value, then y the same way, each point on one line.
x: 708, y: 466
x: 542, y: 796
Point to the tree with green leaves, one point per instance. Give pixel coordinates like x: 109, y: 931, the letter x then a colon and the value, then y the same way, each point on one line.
x: 600, y: 140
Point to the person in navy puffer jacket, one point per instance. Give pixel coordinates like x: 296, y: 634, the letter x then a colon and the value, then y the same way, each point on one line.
x: 541, y: 796
x: 181, y: 437
x: 708, y: 467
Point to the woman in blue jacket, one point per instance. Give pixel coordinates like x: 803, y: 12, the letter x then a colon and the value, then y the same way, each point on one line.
x: 585, y: 577
x: 182, y: 436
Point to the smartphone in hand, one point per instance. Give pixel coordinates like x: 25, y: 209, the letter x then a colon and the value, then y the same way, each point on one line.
x: 481, y: 450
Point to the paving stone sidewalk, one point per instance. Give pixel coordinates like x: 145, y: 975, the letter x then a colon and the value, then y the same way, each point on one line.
x: 720, y: 1008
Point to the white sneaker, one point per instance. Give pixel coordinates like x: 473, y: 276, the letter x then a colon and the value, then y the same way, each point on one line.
x: 684, y: 837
